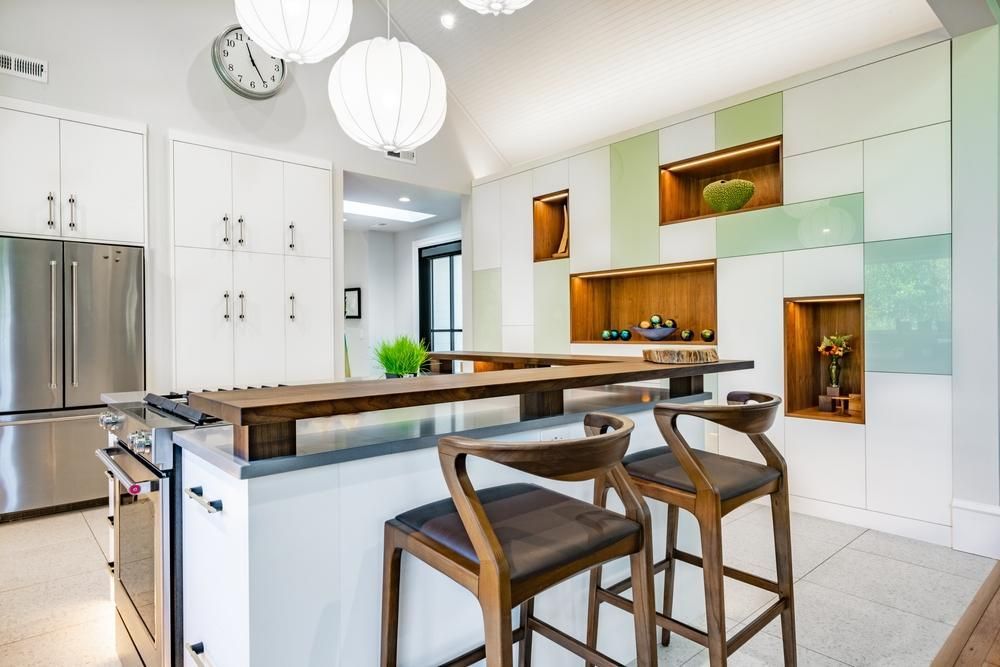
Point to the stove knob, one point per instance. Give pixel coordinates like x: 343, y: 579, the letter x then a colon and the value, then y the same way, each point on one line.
x: 109, y: 420
x: 140, y: 442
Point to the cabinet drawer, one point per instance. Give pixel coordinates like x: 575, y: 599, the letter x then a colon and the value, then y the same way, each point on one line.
x: 215, y: 564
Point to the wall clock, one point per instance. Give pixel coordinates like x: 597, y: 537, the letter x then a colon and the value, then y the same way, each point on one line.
x: 245, y: 67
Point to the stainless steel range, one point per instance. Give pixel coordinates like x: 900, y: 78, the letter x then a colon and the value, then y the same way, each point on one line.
x: 143, y: 494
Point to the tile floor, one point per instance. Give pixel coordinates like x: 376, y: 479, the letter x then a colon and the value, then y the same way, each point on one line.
x: 864, y: 597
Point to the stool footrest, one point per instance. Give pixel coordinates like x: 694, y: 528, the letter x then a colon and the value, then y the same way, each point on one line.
x: 570, y: 644
x: 665, y: 622
x: 756, y: 625
x: 732, y: 573
x: 479, y: 653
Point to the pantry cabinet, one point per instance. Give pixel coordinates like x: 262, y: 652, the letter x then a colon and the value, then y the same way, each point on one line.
x: 68, y: 179
x: 253, y: 283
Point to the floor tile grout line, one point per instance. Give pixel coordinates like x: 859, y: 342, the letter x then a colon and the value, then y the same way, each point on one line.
x: 100, y: 546
x: 882, y: 604
x: 101, y: 568
x: 926, y: 567
x: 49, y: 632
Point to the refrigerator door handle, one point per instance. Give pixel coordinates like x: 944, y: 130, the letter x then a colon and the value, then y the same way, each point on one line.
x: 52, y: 324
x: 74, y: 370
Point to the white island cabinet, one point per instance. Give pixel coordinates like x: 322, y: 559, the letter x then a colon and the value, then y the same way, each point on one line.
x: 283, y: 557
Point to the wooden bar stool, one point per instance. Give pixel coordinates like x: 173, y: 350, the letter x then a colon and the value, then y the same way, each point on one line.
x: 710, y: 486
x: 508, y: 543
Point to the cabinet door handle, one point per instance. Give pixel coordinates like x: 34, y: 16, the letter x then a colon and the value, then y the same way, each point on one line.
x: 225, y: 229
x: 291, y: 245
x: 75, y: 339
x: 52, y: 324
x: 243, y: 306
x: 240, y: 241
x: 72, y: 211
x: 291, y: 299
x: 196, y: 652
x: 52, y: 210
x: 197, y: 494
x: 226, y: 297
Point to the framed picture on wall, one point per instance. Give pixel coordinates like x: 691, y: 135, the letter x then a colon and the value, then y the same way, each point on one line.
x: 352, y: 303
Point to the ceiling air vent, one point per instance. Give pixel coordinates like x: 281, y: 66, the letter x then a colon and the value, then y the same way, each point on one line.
x: 24, y: 67
x: 409, y: 157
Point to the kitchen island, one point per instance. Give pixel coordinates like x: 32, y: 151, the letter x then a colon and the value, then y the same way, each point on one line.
x: 283, y: 554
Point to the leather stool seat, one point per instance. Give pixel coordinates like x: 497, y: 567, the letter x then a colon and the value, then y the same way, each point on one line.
x: 538, y: 529
x: 732, y: 477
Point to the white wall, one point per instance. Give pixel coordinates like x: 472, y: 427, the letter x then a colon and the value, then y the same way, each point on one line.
x: 150, y: 62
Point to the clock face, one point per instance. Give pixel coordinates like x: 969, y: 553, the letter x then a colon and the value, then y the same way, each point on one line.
x: 245, y: 67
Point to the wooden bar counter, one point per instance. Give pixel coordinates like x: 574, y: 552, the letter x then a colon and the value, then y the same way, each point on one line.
x: 264, y: 419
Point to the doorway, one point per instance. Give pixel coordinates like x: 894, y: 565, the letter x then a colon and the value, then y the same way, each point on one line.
x: 440, y: 276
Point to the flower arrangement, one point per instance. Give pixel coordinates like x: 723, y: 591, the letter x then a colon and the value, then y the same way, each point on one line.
x: 401, y: 357
x: 835, y: 346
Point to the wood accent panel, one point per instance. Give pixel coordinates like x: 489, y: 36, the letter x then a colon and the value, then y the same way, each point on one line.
x: 682, y: 183
x: 551, y: 222
x: 525, y: 359
x: 975, y: 640
x: 807, y: 320
x: 264, y: 441
x: 620, y: 299
x: 541, y: 404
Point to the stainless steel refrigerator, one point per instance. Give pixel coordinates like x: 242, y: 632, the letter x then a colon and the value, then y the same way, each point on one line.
x: 71, y: 329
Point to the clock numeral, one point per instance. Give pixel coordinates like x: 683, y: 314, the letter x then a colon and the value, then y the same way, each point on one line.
x: 241, y: 77
x: 253, y: 84
x: 239, y: 37
x: 272, y: 79
x: 265, y: 84
x: 230, y: 43
x: 230, y: 67
x: 225, y: 53
x: 277, y: 68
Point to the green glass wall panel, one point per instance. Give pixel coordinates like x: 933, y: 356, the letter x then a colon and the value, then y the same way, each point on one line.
x: 811, y: 224
x: 486, y: 310
x: 552, y: 306
x: 908, y: 305
x: 750, y: 121
x: 635, y: 201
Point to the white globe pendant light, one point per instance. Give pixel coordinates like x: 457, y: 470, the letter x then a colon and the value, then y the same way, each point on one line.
x: 388, y: 95
x: 495, y: 7
x: 300, y: 31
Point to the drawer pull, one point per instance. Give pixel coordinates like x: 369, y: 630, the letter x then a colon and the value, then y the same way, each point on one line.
x: 197, y: 653
x: 197, y: 494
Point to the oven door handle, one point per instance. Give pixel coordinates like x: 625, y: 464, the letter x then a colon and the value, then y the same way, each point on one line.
x: 134, y: 487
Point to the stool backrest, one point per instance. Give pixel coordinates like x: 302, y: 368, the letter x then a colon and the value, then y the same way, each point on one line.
x: 751, y: 413
x: 598, y: 455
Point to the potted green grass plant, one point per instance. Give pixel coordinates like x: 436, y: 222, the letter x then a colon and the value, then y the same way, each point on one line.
x: 401, y: 357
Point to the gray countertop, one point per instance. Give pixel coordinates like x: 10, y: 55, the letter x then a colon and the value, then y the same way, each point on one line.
x: 345, y: 438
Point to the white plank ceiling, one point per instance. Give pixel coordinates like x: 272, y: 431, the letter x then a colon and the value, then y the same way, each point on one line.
x: 561, y: 73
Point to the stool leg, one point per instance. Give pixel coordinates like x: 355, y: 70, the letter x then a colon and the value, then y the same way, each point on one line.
x: 497, y: 627
x: 782, y: 521
x: 390, y: 597
x: 593, y: 605
x: 524, y: 652
x: 643, y: 604
x: 710, y: 524
x: 670, y: 570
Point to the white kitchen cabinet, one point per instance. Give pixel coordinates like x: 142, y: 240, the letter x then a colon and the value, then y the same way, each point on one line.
x: 203, y: 197
x: 687, y: 139
x: 102, y: 182
x: 590, y: 211
x: 29, y: 174
x: 687, y: 241
x: 259, y: 307
x: 516, y: 251
x: 308, y: 219
x: 550, y: 178
x: 830, y: 172
x: 832, y: 271
x: 826, y: 460
x: 486, y: 226
x: 204, y: 313
x: 751, y: 326
x: 308, y: 320
x: 258, y: 204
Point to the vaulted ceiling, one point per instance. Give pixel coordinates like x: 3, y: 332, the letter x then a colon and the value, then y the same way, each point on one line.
x: 561, y: 73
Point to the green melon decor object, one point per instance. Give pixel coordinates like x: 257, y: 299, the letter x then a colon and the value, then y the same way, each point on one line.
x: 730, y: 195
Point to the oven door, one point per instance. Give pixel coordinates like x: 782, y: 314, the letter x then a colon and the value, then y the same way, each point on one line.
x: 141, y: 519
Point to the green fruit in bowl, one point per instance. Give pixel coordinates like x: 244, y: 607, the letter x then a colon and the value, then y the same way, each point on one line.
x: 606, y: 335
x: 645, y: 324
x: 656, y: 320
x: 625, y: 334
x: 731, y: 195
x: 707, y: 335
x: 670, y: 324
x: 687, y: 334
x: 614, y: 334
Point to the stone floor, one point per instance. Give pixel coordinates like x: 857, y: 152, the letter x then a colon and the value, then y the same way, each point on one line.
x: 864, y: 597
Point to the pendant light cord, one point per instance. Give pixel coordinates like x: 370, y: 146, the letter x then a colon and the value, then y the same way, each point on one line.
x: 388, y: 9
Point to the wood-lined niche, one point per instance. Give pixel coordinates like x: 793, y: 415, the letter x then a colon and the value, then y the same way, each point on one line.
x: 807, y: 320
x: 551, y: 221
x: 681, y: 183
x: 622, y: 298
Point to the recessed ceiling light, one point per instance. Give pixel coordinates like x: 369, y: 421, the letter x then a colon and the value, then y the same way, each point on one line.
x: 405, y: 200
x: 448, y: 21
x: 384, y: 212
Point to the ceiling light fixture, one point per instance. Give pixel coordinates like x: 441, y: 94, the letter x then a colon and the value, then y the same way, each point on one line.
x: 384, y: 212
x: 495, y: 7
x: 297, y: 30
x: 448, y: 21
x: 388, y: 95
x: 404, y: 199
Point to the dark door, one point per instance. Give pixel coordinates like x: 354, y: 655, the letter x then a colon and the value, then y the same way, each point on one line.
x: 441, y: 296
